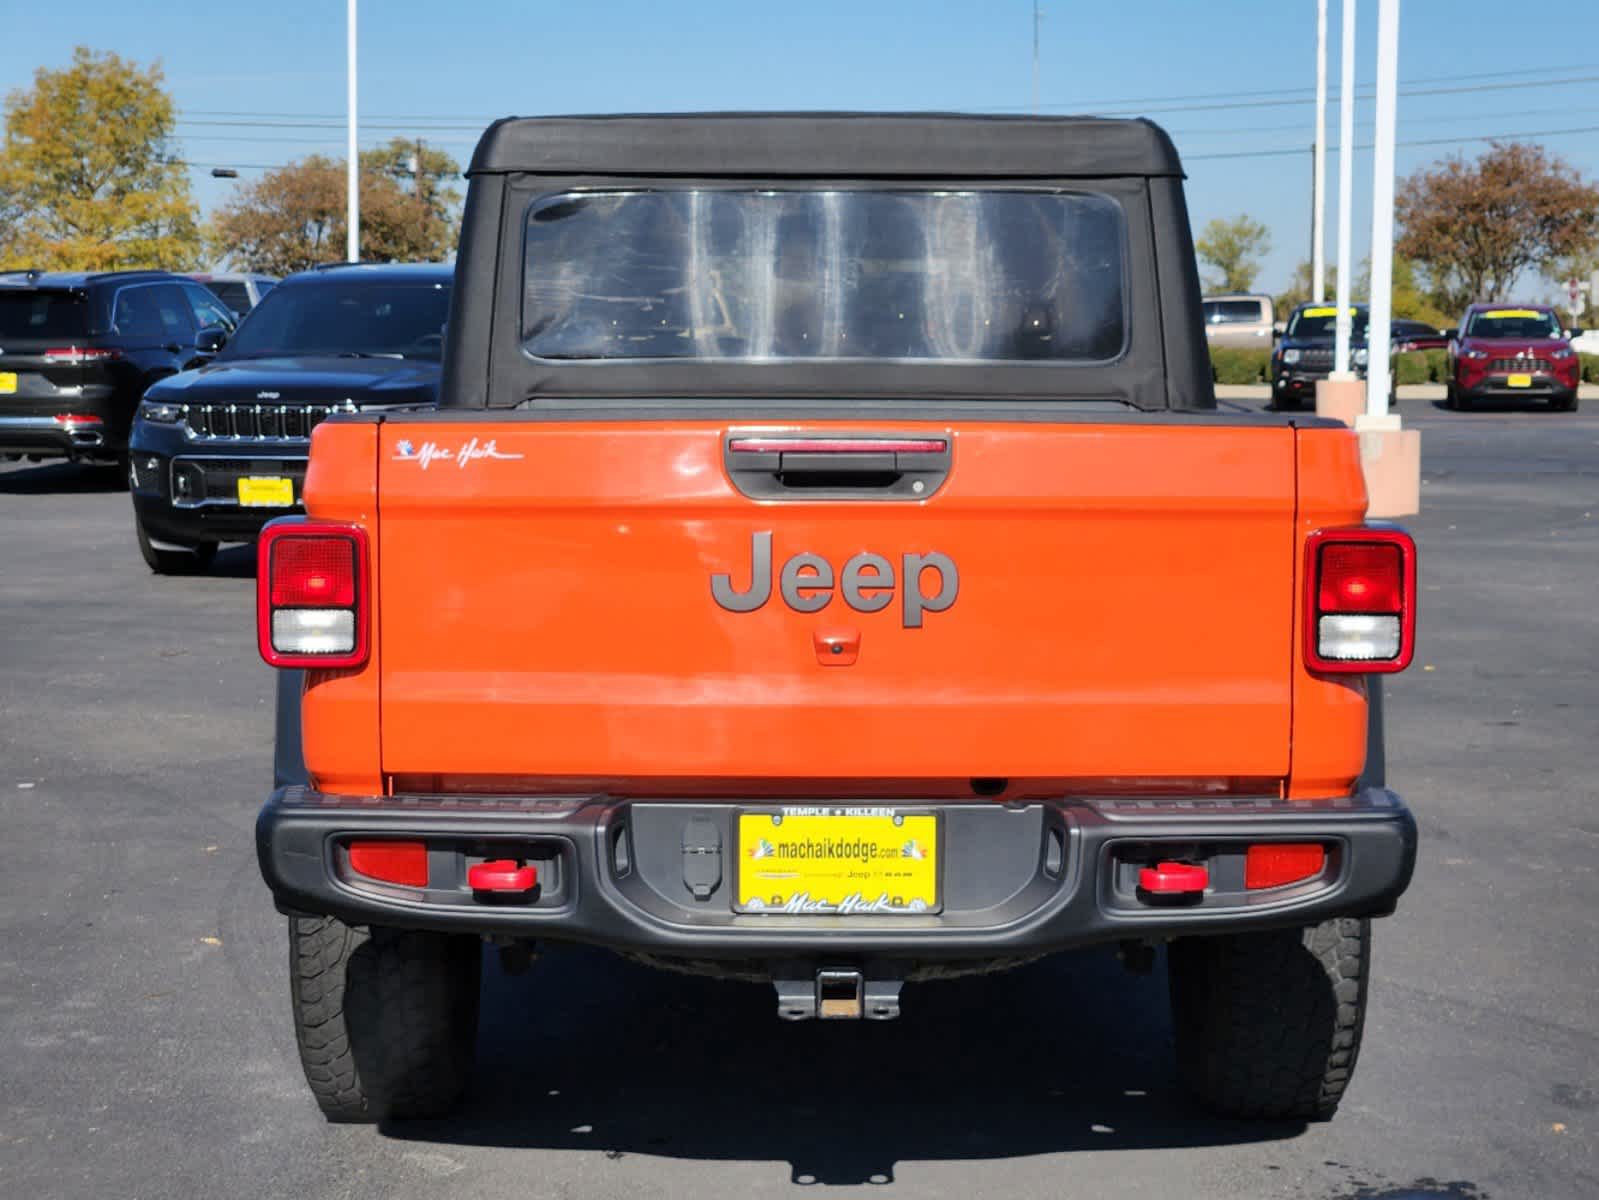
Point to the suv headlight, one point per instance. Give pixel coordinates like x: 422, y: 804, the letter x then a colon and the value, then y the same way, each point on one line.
x: 1290, y: 356
x: 1563, y: 353
x: 1475, y: 355
x: 1360, y: 357
x: 160, y: 412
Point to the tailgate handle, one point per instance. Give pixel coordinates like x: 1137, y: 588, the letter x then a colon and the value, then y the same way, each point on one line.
x: 826, y: 466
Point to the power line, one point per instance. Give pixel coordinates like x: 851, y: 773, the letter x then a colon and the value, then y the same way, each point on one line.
x: 1243, y: 99
x: 1485, y: 137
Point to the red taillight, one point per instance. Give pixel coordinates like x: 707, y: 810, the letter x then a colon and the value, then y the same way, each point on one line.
x: 391, y: 862
x: 1272, y: 864
x: 313, y: 572
x: 72, y: 419
x: 312, y: 595
x: 1361, y: 577
x: 1360, y: 590
x: 71, y: 356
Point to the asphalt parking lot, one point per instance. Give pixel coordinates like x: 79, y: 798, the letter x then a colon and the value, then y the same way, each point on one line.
x: 145, y: 1046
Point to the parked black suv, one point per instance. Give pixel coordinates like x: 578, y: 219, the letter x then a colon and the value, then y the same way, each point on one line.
x: 78, y: 350
x: 1304, y: 355
x: 217, y: 453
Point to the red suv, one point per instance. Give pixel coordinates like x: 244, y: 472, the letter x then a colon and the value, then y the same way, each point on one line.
x: 1503, y: 351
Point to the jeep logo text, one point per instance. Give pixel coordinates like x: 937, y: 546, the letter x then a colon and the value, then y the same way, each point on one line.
x: 867, y: 582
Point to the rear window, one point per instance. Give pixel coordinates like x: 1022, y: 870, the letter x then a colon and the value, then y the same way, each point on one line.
x: 234, y: 294
x: 43, y: 314
x: 1234, y: 312
x: 1514, y: 323
x: 774, y: 275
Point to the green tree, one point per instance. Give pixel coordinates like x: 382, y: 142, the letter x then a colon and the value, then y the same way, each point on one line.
x: 1474, y: 227
x: 294, y: 218
x: 88, y: 174
x: 1234, y: 248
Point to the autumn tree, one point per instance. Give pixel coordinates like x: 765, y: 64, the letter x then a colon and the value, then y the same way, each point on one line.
x: 294, y: 218
x: 88, y: 178
x: 1234, y: 248
x: 1298, y: 290
x: 1475, y: 227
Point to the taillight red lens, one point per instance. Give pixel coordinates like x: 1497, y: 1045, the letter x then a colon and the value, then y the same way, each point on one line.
x: 1360, y: 600
x: 1274, y: 864
x: 392, y: 862
x: 78, y: 419
x: 72, y: 355
x: 312, y: 595
x: 313, y: 572
x: 1361, y: 577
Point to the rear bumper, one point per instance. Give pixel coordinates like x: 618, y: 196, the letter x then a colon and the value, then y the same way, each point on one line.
x: 46, y: 437
x: 1018, y: 879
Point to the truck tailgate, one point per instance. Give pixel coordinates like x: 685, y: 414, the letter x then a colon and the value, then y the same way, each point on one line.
x: 1124, y: 608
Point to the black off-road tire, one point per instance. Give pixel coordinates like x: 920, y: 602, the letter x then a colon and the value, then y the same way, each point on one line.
x: 386, y: 1019
x: 189, y: 560
x: 1268, y: 1024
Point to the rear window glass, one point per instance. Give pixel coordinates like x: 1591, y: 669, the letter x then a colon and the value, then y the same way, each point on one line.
x: 234, y: 294
x: 25, y: 315
x: 1514, y: 323
x: 1233, y: 312
x: 818, y: 275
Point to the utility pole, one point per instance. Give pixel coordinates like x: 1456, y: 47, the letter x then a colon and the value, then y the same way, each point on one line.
x: 1318, y: 170
x: 1344, y: 322
x: 1037, y: 16
x: 416, y: 169
x: 352, y: 215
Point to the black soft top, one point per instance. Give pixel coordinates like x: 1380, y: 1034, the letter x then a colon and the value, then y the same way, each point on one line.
x: 813, y: 145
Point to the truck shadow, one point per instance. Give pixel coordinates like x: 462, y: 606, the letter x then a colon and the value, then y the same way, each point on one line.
x: 62, y: 479
x: 590, y: 1052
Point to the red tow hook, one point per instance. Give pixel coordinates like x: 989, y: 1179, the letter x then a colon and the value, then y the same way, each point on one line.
x: 501, y: 875
x: 1174, y: 879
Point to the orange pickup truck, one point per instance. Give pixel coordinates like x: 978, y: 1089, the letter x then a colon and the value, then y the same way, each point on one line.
x: 829, y: 565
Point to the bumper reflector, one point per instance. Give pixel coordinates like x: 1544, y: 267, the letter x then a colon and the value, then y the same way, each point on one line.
x: 313, y: 630
x: 391, y: 862
x: 1358, y: 637
x: 1273, y: 864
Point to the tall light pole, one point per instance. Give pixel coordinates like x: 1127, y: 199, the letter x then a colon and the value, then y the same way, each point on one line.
x: 1346, y: 177
x: 1318, y: 183
x: 352, y: 215
x: 1382, y: 213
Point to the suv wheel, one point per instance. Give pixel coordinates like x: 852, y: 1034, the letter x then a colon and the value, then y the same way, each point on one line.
x: 167, y: 558
x: 386, y: 1019
x: 1268, y: 1024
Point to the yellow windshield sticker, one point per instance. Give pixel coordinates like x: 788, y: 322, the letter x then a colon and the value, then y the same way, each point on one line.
x: 1320, y: 312
x: 1512, y: 312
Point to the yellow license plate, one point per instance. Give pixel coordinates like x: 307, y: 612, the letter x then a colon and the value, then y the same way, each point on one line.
x: 8, y: 383
x: 1520, y: 381
x: 865, y: 861
x: 258, y: 491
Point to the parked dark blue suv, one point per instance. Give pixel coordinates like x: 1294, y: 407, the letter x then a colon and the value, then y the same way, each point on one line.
x: 78, y: 349
x: 218, y: 452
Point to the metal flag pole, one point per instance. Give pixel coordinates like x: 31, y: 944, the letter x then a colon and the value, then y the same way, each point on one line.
x: 1346, y: 181
x: 1318, y: 182
x: 352, y: 216
x: 1382, y: 214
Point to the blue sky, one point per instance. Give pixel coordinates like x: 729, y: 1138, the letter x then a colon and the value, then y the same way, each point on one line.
x: 1226, y: 77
